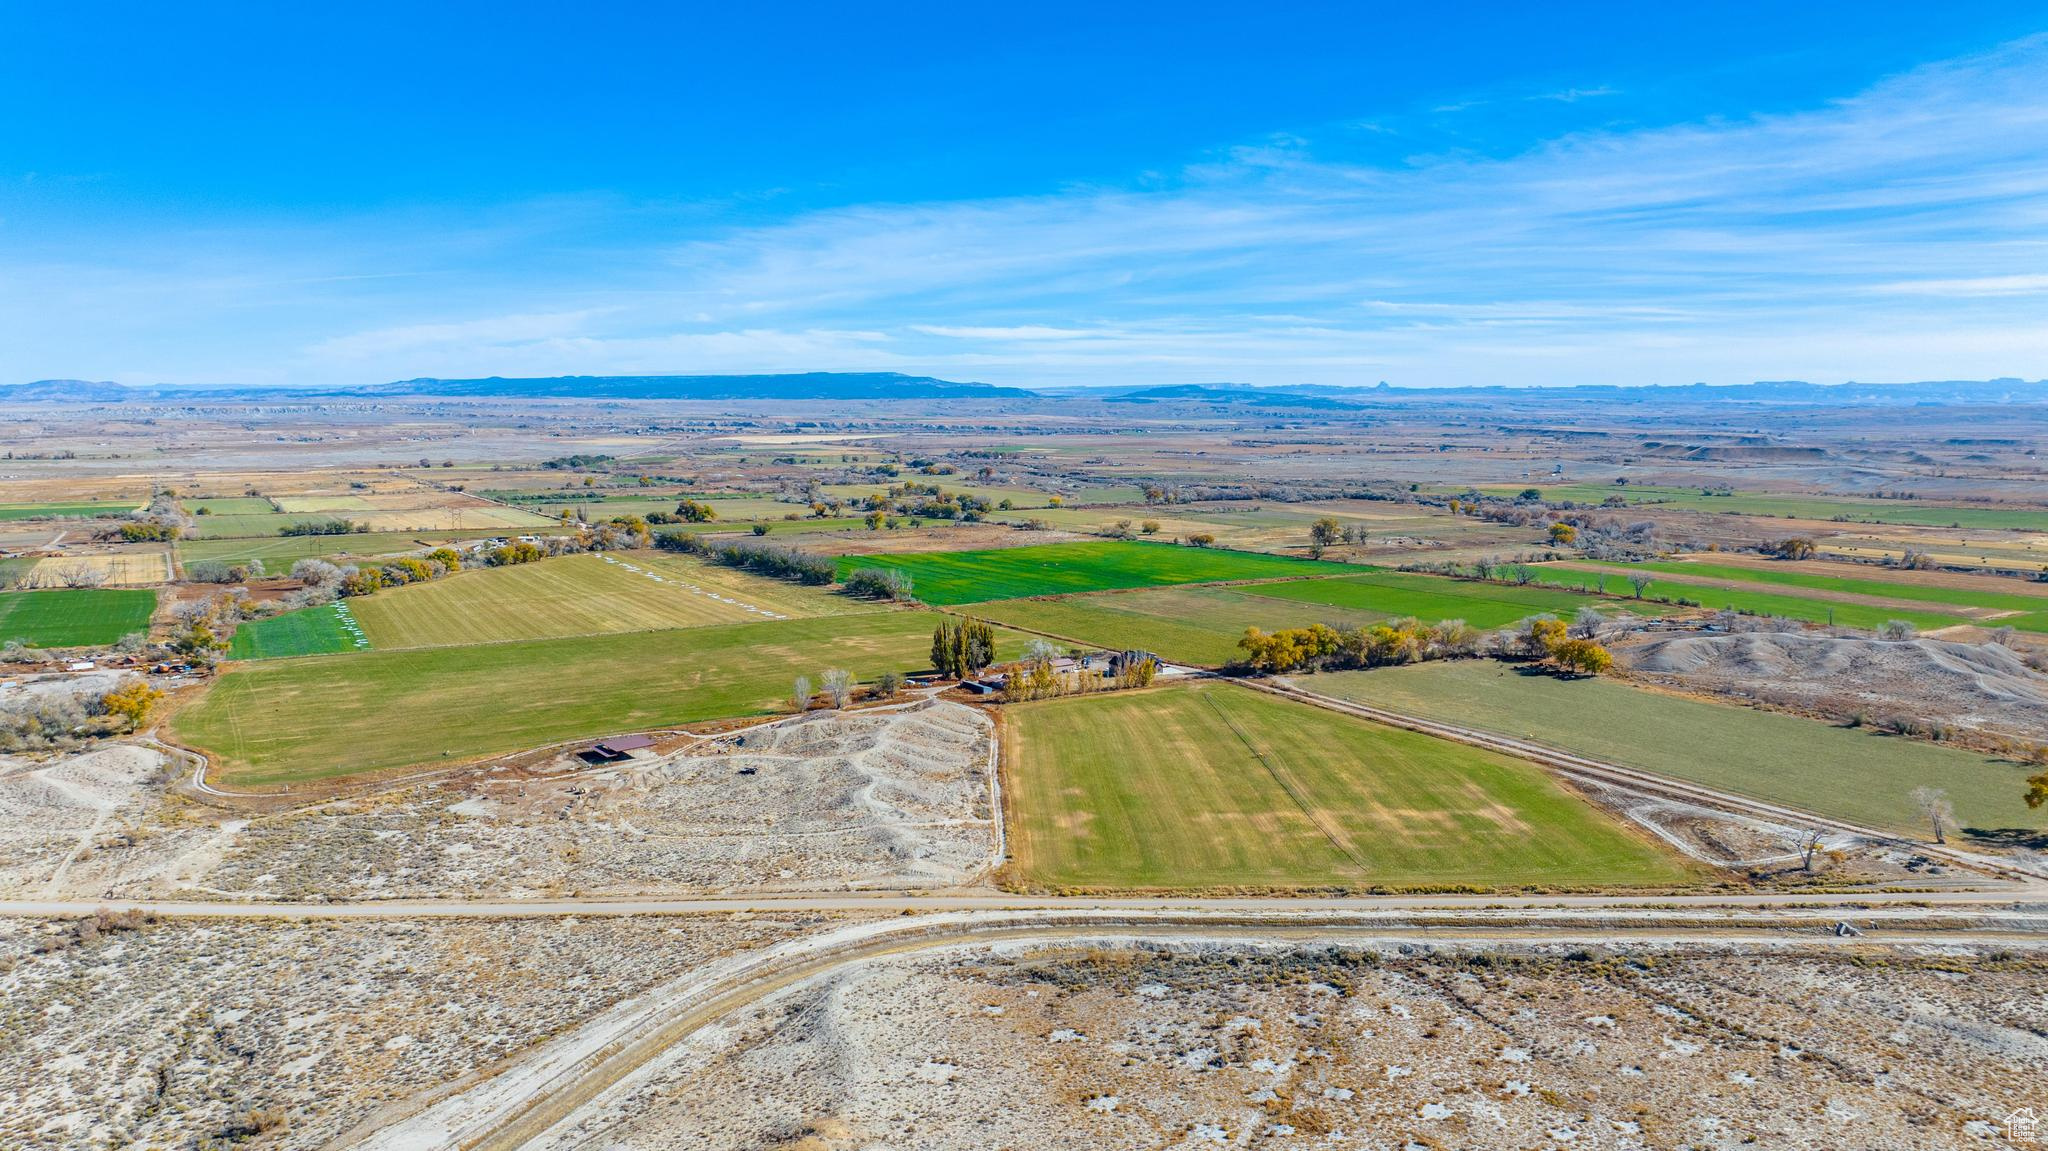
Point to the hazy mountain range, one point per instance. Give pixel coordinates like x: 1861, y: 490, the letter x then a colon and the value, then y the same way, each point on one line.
x: 892, y: 385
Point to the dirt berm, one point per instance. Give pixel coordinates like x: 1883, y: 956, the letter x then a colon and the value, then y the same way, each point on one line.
x: 1983, y: 686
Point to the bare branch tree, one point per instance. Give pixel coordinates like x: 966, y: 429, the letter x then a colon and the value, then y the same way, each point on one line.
x: 839, y: 686
x: 83, y: 575
x: 800, y: 693
x: 1809, y: 846
x: 1936, y: 809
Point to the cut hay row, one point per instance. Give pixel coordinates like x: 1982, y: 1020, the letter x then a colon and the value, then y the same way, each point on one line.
x: 690, y: 587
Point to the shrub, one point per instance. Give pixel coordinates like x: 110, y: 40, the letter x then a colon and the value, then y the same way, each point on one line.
x: 320, y: 573
x: 322, y: 528
x: 145, y: 530
x: 761, y: 559
x: 132, y: 702
x: 878, y: 583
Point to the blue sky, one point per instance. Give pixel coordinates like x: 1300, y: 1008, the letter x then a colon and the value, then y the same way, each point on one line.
x: 1052, y: 194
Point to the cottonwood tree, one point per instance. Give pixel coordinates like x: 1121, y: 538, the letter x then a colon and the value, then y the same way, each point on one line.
x: 83, y: 575
x: 1588, y: 622
x: 1935, y: 809
x: 800, y: 693
x: 1323, y: 534
x: 1640, y: 582
x: 839, y: 686
x: 1809, y: 846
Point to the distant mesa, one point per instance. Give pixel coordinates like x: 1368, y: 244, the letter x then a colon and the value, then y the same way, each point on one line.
x: 800, y: 386
x: 1242, y: 395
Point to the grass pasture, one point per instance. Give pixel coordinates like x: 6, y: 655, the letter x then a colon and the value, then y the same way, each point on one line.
x: 228, y: 506
x: 309, y: 631
x: 279, y: 553
x: 1754, y: 600
x: 73, y: 617
x: 1856, y: 775
x: 581, y: 595
x: 949, y: 578
x: 217, y: 527
x: 66, y: 509
x: 1196, y: 625
x: 1213, y: 785
x: 290, y: 721
x: 1432, y: 598
x: 1864, y: 581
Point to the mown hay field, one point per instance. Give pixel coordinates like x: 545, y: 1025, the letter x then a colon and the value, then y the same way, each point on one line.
x: 947, y: 578
x: 584, y: 595
x: 1214, y: 785
x: 117, y: 569
x: 73, y: 617
x: 1432, y: 598
x: 297, y: 720
x: 1851, y: 774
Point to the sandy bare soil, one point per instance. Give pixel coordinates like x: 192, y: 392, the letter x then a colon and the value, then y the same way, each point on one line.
x: 1696, y: 1045
x: 882, y: 798
x: 1982, y: 686
x: 171, y: 1034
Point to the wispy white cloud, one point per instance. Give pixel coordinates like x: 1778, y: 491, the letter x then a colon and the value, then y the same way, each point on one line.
x: 1574, y: 95
x: 1976, y: 286
x: 1896, y: 232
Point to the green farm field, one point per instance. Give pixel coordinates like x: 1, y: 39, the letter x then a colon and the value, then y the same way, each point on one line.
x: 228, y: 506
x: 279, y: 553
x: 948, y: 578
x: 288, y: 721
x: 1851, y: 774
x: 73, y: 617
x: 582, y: 595
x: 1783, y: 605
x: 308, y: 631
x: 78, y: 508
x: 218, y: 527
x: 1432, y: 598
x: 2031, y: 609
x: 1214, y: 785
x: 1196, y: 625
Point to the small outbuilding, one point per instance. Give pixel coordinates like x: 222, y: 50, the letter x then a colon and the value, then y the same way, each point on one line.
x: 619, y: 747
